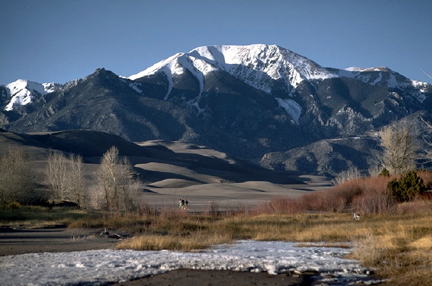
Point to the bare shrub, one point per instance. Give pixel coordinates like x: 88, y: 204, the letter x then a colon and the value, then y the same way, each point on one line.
x: 17, y: 178
x: 374, y: 198
x: 350, y: 174
x: 77, y: 185
x: 373, y: 204
x: 369, y: 250
x: 146, y: 210
x: 328, y: 200
x: 335, y: 199
x: 363, y: 195
x: 375, y: 170
x: 400, y: 144
x: 115, y: 186
x: 64, y: 176
x: 417, y: 206
x: 57, y: 176
x: 212, y: 209
x: 281, y: 205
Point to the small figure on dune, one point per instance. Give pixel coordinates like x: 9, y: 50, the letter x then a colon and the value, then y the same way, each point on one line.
x: 183, y: 204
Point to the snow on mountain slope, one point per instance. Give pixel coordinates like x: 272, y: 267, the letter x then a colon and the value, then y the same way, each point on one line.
x: 264, y: 67
x: 257, y: 65
x: 292, y: 108
x: 383, y: 76
x: 269, y: 68
x: 376, y: 76
x: 177, y: 65
x: 23, y: 92
x: 254, y: 62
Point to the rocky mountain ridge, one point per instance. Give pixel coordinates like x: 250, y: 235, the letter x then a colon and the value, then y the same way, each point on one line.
x: 244, y: 100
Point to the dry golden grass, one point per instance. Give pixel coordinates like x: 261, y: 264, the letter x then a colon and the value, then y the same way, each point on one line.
x: 399, y: 245
x: 194, y: 241
x: 394, y: 238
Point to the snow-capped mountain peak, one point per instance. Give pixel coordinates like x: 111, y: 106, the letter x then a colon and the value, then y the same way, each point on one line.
x: 272, y: 60
x: 22, y: 92
x: 257, y: 65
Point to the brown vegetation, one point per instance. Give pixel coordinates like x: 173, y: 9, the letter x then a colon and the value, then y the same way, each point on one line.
x: 393, y: 237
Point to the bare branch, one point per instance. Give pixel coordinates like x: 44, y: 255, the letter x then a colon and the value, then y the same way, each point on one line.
x: 400, y: 144
x: 117, y: 189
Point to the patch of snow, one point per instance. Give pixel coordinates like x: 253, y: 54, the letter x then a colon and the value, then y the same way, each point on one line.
x: 99, y: 267
x: 135, y: 86
x: 175, y: 67
x: 378, y: 79
x: 23, y: 92
x: 292, y: 108
x: 168, y: 74
x: 421, y: 86
x: 50, y: 87
x: 376, y: 69
x: 392, y: 82
x: 203, y: 66
x: 194, y: 103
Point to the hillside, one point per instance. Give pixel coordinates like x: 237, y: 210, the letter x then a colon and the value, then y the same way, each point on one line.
x: 168, y: 170
x: 247, y: 101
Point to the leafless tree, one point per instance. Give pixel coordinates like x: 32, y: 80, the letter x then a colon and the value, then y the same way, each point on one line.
x: 116, y: 186
x: 428, y: 148
x: 350, y: 174
x: 17, y: 179
x: 77, y: 184
x: 400, y: 143
x: 64, y: 177
x: 57, y: 176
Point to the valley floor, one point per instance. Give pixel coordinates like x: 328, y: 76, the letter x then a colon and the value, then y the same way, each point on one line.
x: 242, y: 263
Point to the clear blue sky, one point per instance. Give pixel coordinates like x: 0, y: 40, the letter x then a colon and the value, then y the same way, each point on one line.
x: 62, y: 40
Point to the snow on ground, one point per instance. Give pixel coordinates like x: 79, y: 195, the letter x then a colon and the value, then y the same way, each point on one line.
x: 97, y: 267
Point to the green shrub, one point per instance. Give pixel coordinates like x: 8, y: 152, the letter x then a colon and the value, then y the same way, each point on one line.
x: 14, y: 205
x: 406, y: 187
x: 384, y: 173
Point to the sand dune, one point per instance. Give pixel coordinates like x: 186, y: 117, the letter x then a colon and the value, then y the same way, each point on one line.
x: 171, y: 170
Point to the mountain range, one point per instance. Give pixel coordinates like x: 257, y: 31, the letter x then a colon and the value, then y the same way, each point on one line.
x: 263, y: 103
